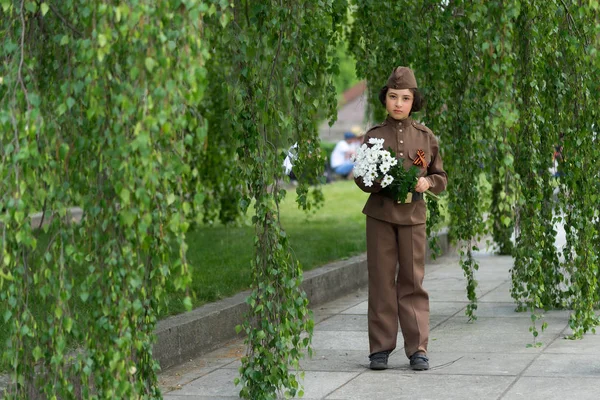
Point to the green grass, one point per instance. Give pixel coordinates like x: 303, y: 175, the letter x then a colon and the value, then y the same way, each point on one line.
x: 220, y: 256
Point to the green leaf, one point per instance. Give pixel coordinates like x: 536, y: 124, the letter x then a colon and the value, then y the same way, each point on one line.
x: 44, y: 8
x: 37, y: 353
x: 68, y: 324
x: 187, y: 303
x: 128, y: 218
x: 62, y: 108
x: 150, y: 64
x: 125, y: 196
x: 171, y: 198
x: 31, y: 6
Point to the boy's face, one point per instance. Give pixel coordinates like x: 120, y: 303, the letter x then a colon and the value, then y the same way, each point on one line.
x: 398, y: 103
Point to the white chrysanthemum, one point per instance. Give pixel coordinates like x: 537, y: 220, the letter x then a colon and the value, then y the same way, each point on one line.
x: 387, y: 158
x: 372, y: 157
x: 384, y: 167
x: 387, y: 179
x: 376, y: 141
x: 371, y: 161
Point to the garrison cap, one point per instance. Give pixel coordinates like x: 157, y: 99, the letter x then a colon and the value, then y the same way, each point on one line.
x: 402, y: 78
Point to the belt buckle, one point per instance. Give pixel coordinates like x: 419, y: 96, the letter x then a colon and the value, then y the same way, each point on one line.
x: 408, y: 199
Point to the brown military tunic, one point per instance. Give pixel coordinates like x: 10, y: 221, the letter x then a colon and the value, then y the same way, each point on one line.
x: 396, y: 236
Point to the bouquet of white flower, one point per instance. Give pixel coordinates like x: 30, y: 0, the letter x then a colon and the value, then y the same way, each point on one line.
x: 373, y: 163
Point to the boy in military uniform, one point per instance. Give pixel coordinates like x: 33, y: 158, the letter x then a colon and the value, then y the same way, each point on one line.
x: 396, y: 232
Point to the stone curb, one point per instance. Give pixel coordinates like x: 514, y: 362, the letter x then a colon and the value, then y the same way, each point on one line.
x: 192, y: 334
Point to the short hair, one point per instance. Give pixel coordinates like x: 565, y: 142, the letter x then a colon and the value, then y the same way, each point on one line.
x: 418, y: 100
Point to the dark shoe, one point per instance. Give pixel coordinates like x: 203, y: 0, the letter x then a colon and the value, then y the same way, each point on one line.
x: 419, y: 361
x: 379, y: 360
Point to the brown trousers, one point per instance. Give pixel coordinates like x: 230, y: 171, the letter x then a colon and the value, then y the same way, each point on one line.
x: 397, y: 297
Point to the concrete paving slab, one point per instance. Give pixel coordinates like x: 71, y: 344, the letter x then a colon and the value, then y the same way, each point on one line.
x: 490, y: 256
x: 470, y: 363
x: 512, y: 325
x: 491, y: 268
x: 491, y: 335
x: 582, y: 365
x: 328, y: 360
x: 435, y: 285
x: 345, y: 322
x: 394, y: 385
x: 337, y: 360
x: 498, y: 343
x: 504, y: 310
x: 361, y: 308
x: 590, y: 344
x: 340, y: 360
x: 318, y: 317
x: 442, y: 304
x: 342, y: 304
x: 508, y: 310
x: 443, y: 363
x: 436, y: 320
x: 335, y: 340
x: 220, y: 383
x: 198, y: 397
x: 175, y: 378
x: 359, y: 323
x: 446, y: 308
x: 450, y: 272
x: 317, y: 385
x: 449, y: 295
x: 555, y: 388
x: 217, y: 383
x: 499, y: 295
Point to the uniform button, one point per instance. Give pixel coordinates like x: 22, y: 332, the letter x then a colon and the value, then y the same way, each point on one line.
x: 402, y: 141
x: 401, y: 154
x: 400, y: 130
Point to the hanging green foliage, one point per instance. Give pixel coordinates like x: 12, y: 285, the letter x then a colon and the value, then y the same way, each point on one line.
x: 280, y: 63
x: 507, y: 83
x: 436, y: 42
x: 97, y: 103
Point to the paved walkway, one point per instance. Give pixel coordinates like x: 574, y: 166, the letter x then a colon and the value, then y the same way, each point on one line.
x: 487, y: 359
